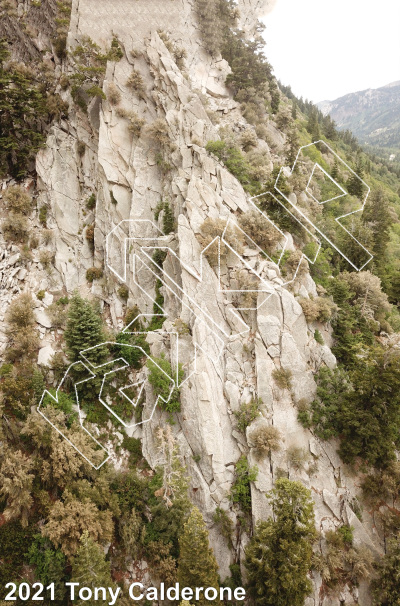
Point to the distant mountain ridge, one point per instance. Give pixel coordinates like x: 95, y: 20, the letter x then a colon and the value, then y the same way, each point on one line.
x: 373, y: 115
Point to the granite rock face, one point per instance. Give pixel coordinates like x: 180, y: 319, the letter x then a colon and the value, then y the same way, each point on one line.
x: 128, y: 178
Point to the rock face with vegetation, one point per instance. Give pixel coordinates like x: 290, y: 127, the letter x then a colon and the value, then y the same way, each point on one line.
x: 164, y: 116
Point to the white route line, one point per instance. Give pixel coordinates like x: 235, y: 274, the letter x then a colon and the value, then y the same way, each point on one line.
x: 337, y: 219
x: 220, y: 333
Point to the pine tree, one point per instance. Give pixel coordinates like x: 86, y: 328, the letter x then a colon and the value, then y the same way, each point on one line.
x: 22, y: 109
x: 386, y: 587
x: 377, y: 214
x: 313, y: 125
x: 197, y: 566
x: 355, y: 187
x: 210, y: 26
x: 335, y: 170
x: 329, y: 128
x: 278, y: 558
x: 16, y: 482
x: 90, y: 569
x: 294, y: 110
x: 292, y: 146
x: 84, y: 330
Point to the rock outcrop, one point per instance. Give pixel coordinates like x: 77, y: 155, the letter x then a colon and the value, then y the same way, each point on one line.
x: 99, y: 154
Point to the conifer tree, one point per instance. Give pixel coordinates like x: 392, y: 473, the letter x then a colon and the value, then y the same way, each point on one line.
x: 210, y: 26
x: 387, y: 586
x: 197, y: 566
x: 168, y: 219
x: 90, y: 568
x: 22, y: 108
x: 313, y: 125
x: 377, y: 214
x: 355, y: 186
x: 16, y: 482
x: 335, y: 170
x: 84, y: 329
x: 278, y: 557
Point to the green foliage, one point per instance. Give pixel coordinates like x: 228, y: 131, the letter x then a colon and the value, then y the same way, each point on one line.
x: 23, y: 109
x: 94, y: 273
x: 134, y: 447
x: 250, y: 69
x: 278, y: 557
x: 232, y: 157
x: 15, y: 541
x: 248, y: 411
x: 386, y: 587
x: 168, y: 219
x: 90, y: 568
x: 91, y: 202
x: 240, y: 492
x: 50, y: 564
x: 346, y: 532
x: 318, y: 337
x: 360, y: 407
x: 282, y: 377
x: 89, y: 64
x: 166, y: 524
x: 123, y: 292
x: 133, y: 355
x: 197, y: 566
x: 160, y: 371
x: 84, y: 329
x: 224, y: 524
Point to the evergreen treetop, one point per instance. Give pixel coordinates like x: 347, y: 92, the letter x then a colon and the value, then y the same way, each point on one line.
x: 197, y: 566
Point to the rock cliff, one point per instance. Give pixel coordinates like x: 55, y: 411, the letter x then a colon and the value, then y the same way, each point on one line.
x: 98, y: 154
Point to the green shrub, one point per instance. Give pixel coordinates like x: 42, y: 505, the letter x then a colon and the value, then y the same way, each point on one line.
x: 168, y: 219
x: 134, y: 447
x: 240, y: 491
x: 283, y: 378
x: 248, y: 411
x: 23, y: 109
x: 318, y: 337
x: 224, y: 524
x: 232, y: 157
x: 94, y: 273
x: 123, y: 292
x: 43, y: 215
x: 40, y: 295
x: 133, y: 355
x: 161, y: 383
x: 91, y: 202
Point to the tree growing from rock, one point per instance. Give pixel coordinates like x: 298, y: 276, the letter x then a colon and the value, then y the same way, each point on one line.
x: 197, y: 566
x: 278, y: 557
x: 90, y: 568
x: 84, y: 329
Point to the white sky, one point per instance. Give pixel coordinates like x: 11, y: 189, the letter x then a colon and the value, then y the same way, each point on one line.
x: 325, y: 49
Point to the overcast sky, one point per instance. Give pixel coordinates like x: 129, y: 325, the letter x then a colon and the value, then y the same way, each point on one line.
x: 326, y: 49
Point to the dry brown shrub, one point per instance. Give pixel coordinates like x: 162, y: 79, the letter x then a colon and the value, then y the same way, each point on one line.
x: 210, y: 229
x: 260, y: 230
x: 265, y: 439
